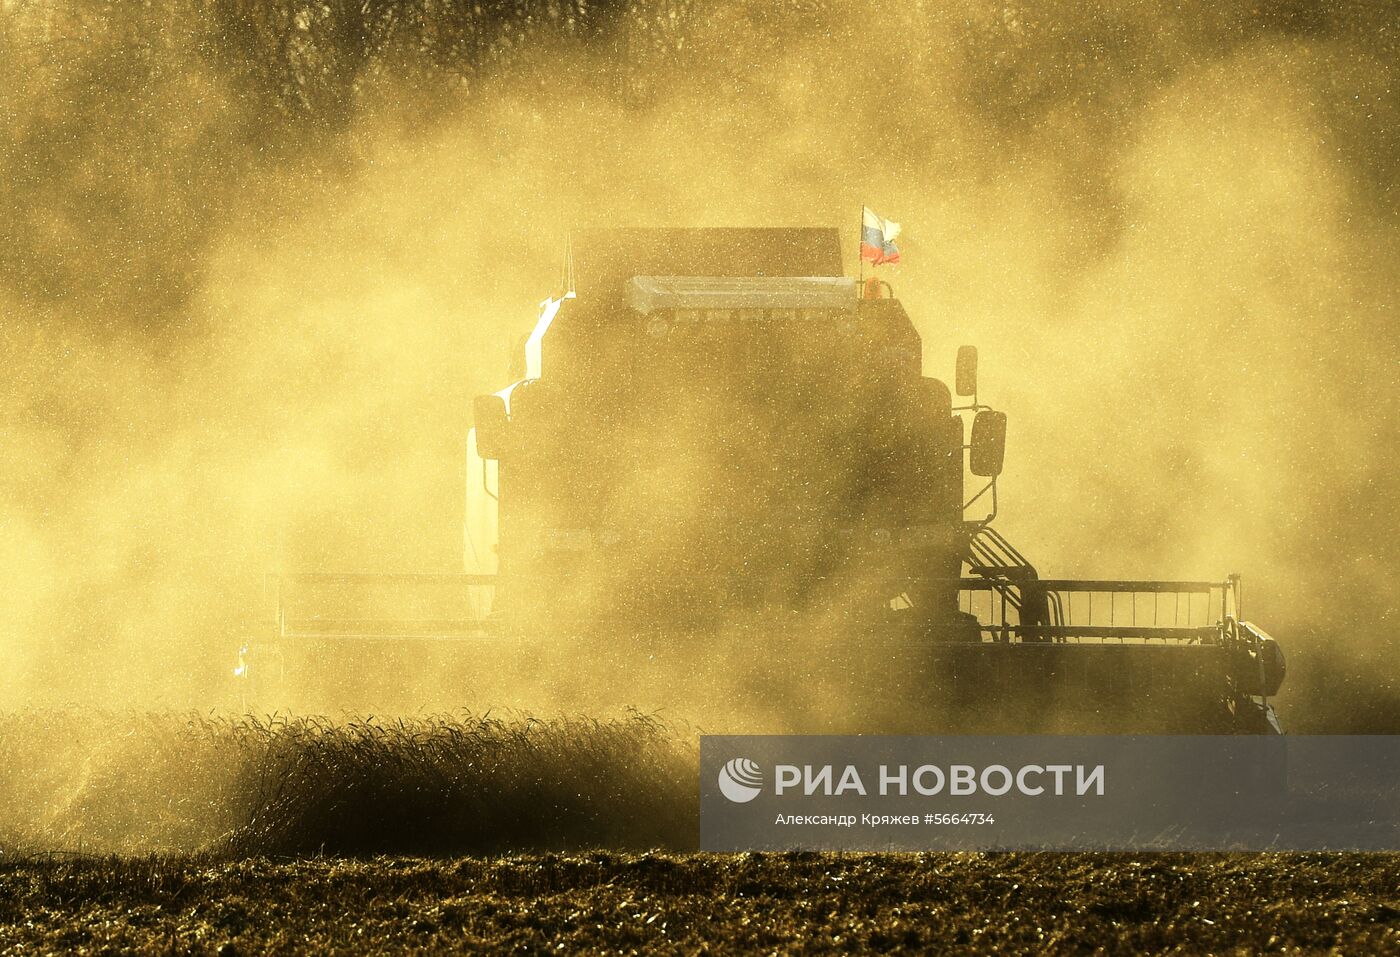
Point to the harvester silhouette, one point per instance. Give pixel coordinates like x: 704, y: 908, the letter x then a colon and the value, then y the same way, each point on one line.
x: 714, y: 429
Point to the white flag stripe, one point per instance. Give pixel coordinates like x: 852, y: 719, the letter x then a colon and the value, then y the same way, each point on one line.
x: 888, y: 228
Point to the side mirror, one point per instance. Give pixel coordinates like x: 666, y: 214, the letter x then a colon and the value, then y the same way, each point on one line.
x: 492, y: 425
x: 988, y: 444
x: 966, y: 380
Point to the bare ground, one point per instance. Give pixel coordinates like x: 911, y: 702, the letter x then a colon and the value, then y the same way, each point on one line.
x: 604, y: 902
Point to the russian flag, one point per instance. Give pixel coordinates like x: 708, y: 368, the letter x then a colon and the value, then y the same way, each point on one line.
x: 877, y: 238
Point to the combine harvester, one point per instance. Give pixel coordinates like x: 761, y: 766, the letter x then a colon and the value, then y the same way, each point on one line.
x: 720, y: 470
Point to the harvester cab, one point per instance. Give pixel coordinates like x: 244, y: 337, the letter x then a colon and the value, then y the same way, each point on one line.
x: 717, y: 431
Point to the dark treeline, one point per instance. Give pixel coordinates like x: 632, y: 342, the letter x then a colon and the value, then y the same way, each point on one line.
x: 128, y: 129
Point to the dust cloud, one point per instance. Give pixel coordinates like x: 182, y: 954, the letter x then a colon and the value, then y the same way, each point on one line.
x: 256, y: 258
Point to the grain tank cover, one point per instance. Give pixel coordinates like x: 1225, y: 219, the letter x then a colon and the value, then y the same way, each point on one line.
x: 647, y: 294
x: 605, y: 260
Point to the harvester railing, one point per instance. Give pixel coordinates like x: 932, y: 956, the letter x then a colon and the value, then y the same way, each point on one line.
x: 1086, y: 610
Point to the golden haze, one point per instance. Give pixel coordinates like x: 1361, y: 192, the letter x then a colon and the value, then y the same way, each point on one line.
x: 1172, y: 235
